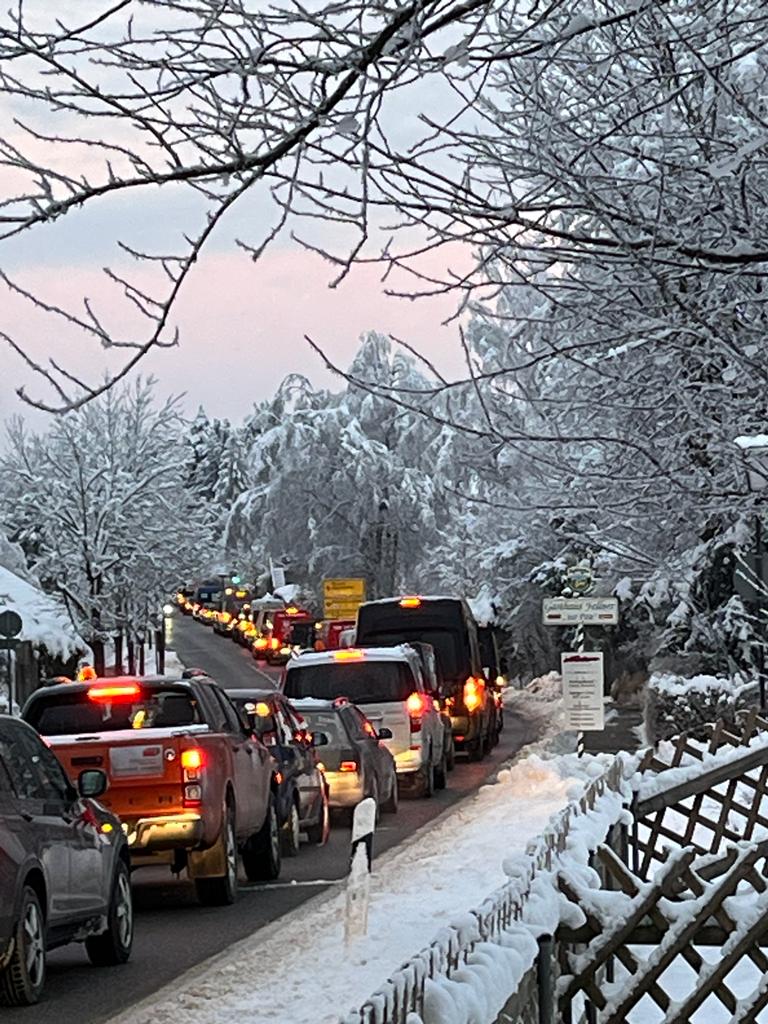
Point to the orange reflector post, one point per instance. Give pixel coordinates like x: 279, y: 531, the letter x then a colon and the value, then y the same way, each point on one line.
x: 410, y: 602
x: 348, y: 654
x: 114, y: 692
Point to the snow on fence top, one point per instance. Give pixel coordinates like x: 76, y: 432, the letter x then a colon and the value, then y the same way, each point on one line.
x: 45, y: 621
x: 471, y: 967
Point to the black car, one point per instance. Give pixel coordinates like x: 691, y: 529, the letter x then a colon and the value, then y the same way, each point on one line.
x: 64, y: 867
x: 302, y: 790
x: 355, y: 762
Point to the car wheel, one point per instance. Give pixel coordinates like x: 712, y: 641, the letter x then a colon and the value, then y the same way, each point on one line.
x: 291, y: 832
x: 222, y: 891
x: 319, y: 832
x: 113, y: 946
x: 425, y: 786
x: 441, y: 773
x: 390, y: 805
x: 23, y: 978
x: 451, y: 756
x: 261, y: 856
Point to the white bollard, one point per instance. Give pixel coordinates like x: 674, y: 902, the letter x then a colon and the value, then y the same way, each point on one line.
x: 356, y: 915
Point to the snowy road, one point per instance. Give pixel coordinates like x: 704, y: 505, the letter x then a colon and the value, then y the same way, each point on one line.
x: 173, y: 933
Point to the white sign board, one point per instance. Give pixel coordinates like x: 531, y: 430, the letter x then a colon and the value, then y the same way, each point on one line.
x: 580, y: 611
x: 583, y: 690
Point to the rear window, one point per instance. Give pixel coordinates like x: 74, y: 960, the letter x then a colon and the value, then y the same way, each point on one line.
x: 450, y: 653
x: 72, y: 713
x: 364, y: 682
x: 330, y: 724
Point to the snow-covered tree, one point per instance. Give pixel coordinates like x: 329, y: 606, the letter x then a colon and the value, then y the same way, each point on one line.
x: 102, y: 497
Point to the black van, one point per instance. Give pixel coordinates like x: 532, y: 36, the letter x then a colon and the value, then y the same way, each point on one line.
x: 448, y: 625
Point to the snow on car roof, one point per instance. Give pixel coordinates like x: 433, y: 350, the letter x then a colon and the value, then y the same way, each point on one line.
x: 402, y: 652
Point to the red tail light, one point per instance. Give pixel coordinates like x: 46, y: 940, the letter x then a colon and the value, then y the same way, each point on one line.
x: 348, y: 766
x: 417, y: 704
x: 192, y: 765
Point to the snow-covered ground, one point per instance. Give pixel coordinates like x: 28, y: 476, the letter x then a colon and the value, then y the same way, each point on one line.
x: 429, y: 881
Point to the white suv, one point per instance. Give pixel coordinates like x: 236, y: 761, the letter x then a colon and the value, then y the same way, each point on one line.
x: 388, y: 684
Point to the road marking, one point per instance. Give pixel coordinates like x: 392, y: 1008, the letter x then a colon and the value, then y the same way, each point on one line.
x: 291, y: 885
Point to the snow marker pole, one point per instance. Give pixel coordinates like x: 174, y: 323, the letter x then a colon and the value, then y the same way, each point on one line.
x: 580, y: 635
x: 361, y: 853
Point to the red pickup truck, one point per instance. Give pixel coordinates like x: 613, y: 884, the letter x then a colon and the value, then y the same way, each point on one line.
x: 190, y: 783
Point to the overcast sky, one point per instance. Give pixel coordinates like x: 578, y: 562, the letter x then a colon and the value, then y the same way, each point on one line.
x: 242, y: 323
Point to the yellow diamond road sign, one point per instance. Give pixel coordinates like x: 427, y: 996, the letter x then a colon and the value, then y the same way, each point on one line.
x: 342, y: 598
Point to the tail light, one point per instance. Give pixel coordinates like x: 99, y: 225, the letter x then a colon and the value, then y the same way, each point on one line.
x: 274, y: 643
x: 417, y: 704
x: 260, y: 643
x: 473, y: 693
x: 348, y: 766
x: 192, y: 765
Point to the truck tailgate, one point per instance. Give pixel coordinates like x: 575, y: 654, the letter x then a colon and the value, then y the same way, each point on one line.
x: 143, y: 766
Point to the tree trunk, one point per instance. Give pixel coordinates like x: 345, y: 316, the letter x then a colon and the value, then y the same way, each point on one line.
x: 142, y: 660
x: 160, y: 651
x: 131, y: 656
x: 97, y: 646
x: 119, y: 654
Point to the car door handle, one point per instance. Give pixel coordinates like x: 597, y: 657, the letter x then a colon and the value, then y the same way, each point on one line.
x: 27, y: 816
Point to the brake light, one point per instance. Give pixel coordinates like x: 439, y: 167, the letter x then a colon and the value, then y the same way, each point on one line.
x: 348, y: 766
x: 415, y: 704
x: 410, y: 602
x: 126, y: 691
x: 473, y: 693
x: 260, y: 643
x: 274, y: 643
x: 348, y: 654
x: 192, y: 764
x: 192, y: 760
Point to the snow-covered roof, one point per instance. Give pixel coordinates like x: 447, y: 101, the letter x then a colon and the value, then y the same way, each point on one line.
x: 45, y: 622
x: 747, y: 441
x: 400, y: 653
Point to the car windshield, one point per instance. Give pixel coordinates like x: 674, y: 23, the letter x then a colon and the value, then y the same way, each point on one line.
x: 329, y: 723
x: 364, y: 682
x: 67, y: 714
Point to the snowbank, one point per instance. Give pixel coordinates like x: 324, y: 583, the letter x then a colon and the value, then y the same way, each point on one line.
x: 433, y: 879
x: 675, y: 704
x: 548, y: 687
x: 45, y: 620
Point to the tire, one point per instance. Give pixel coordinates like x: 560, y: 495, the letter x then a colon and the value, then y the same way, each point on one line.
x: 441, y: 773
x: 23, y: 978
x: 390, y: 805
x: 113, y: 946
x: 450, y: 761
x: 426, y: 783
x: 261, y: 856
x: 222, y: 891
x: 477, y: 751
x: 318, y: 833
x: 290, y: 834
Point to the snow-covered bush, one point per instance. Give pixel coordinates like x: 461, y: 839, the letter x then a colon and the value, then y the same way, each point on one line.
x: 675, y: 704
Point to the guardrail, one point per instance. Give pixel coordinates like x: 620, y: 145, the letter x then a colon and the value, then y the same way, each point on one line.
x: 403, y: 993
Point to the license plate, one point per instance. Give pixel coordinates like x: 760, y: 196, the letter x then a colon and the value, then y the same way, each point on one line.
x: 136, y: 761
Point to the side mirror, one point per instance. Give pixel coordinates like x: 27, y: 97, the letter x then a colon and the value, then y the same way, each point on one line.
x: 384, y: 733
x: 319, y: 739
x: 92, y: 783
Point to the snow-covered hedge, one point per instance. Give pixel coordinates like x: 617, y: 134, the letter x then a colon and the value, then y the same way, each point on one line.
x: 674, y: 704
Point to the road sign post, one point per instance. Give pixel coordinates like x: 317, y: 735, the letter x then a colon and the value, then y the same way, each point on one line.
x: 342, y: 598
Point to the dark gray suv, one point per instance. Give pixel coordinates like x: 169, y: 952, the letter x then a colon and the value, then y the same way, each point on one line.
x: 64, y: 868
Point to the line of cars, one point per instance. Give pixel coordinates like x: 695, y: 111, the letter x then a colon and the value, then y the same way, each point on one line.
x: 421, y: 669
x: 104, y: 776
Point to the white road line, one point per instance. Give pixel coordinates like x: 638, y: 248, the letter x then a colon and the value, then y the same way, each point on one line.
x: 291, y: 885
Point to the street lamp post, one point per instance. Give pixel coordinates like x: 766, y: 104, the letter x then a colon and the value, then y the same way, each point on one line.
x: 755, y: 452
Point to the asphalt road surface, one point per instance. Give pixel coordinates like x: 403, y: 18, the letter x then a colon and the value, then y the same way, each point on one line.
x: 174, y: 933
